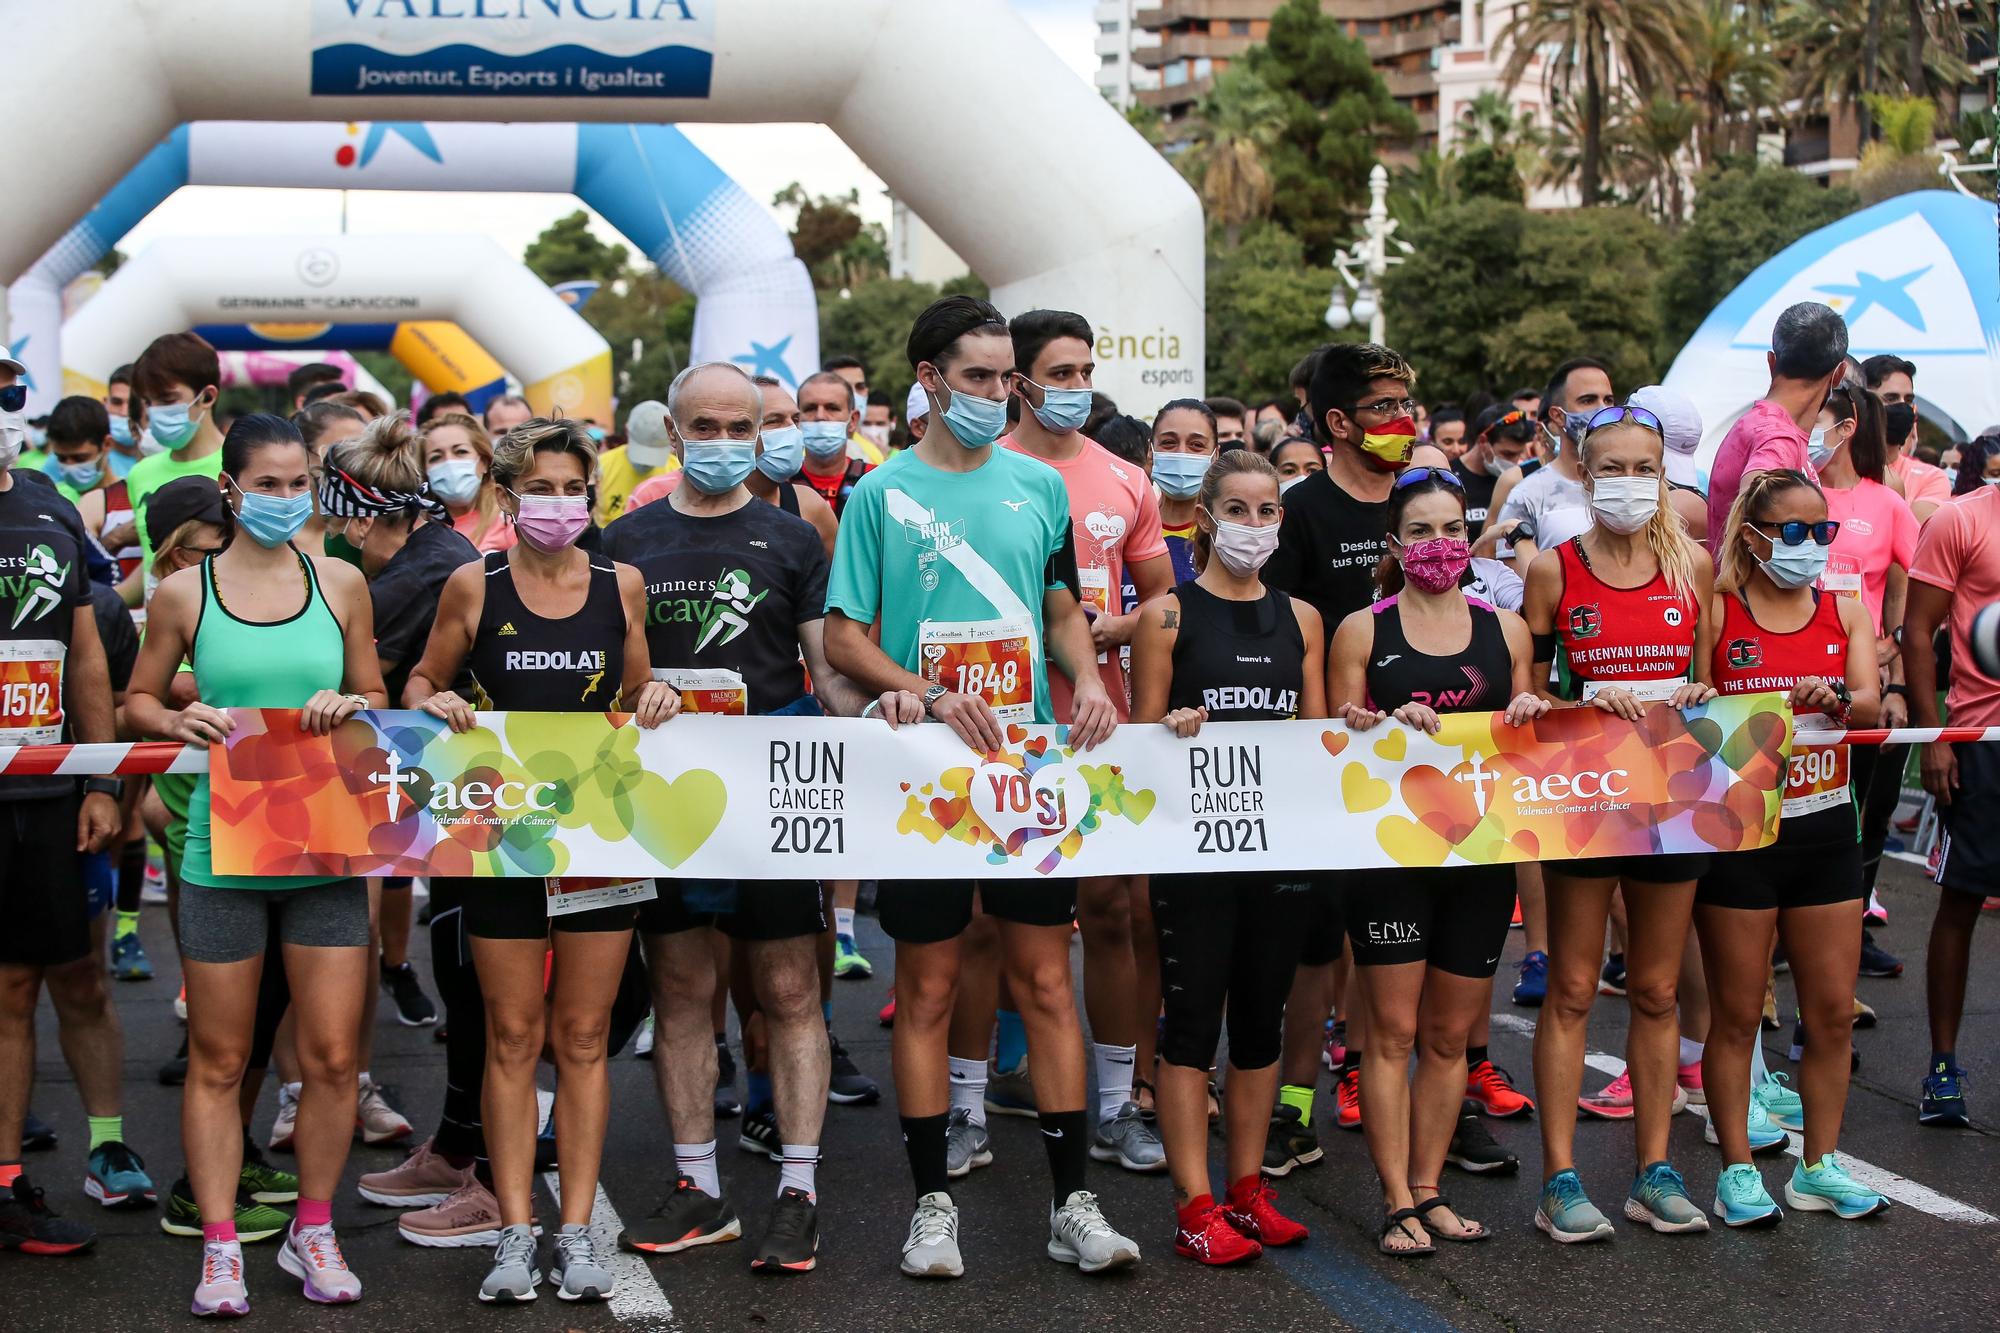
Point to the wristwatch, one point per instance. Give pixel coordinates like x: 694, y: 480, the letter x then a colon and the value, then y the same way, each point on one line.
x: 1895, y: 692
x: 931, y: 696
x: 1524, y: 531
x: 112, y: 787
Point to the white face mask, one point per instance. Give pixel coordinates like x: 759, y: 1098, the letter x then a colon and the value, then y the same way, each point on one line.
x: 13, y: 432
x: 1242, y: 548
x: 1625, y: 504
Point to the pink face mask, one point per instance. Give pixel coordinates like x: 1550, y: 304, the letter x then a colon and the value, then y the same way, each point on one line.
x: 1436, y: 564
x: 552, y: 522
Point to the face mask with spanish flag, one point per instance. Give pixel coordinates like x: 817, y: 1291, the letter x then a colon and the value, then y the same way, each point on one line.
x: 1388, y: 446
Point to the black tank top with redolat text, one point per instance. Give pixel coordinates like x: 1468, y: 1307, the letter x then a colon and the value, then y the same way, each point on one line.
x: 528, y: 663
x: 1242, y: 661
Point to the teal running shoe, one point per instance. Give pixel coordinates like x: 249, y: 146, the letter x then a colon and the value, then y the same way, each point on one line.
x: 1780, y: 1102
x: 1659, y: 1198
x: 128, y: 959
x: 1824, y: 1188
x: 848, y: 964
x: 1944, y: 1096
x: 1568, y: 1216
x: 117, y: 1178
x: 1765, y: 1137
x: 1741, y: 1200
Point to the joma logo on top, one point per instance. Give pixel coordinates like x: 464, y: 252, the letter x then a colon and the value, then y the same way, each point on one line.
x: 594, y: 11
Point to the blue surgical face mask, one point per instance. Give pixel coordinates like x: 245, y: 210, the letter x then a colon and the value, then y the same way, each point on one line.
x: 1179, y: 475
x: 1062, y: 410
x: 784, y: 453
x: 824, y: 439
x: 272, y: 520
x: 78, y: 476
x: 1795, y: 566
x: 455, y: 479
x: 172, y: 424
x: 1818, y: 450
x: 975, y: 422
x: 121, y: 432
x: 716, y: 467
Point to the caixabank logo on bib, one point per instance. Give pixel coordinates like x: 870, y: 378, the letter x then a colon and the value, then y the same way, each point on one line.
x: 513, y: 48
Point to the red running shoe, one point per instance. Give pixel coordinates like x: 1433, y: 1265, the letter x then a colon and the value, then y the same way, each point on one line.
x: 1347, y: 1096
x: 1515, y: 923
x: 1253, y: 1210
x: 1205, y: 1236
x: 887, y: 1018
x: 1491, y: 1086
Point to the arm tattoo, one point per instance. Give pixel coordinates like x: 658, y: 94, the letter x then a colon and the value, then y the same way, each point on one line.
x: 1170, y: 620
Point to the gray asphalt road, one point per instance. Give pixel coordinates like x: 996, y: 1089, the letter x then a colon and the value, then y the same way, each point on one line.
x: 1924, y: 1263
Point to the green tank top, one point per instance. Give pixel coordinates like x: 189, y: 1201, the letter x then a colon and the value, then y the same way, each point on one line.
x: 248, y: 664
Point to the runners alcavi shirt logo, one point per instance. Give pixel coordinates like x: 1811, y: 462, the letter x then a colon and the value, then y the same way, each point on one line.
x: 35, y: 586
x: 730, y: 608
x: 720, y: 610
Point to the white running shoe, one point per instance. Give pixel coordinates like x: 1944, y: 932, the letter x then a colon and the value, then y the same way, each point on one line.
x: 374, y: 1118
x: 221, y: 1293
x: 287, y: 1123
x: 932, y: 1247
x: 313, y: 1256
x: 1078, y: 1234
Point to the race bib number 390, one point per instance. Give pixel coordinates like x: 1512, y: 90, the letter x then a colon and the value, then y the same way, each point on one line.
x: 1817, y: 776
x: 31, y: 672
x: 993, y: 659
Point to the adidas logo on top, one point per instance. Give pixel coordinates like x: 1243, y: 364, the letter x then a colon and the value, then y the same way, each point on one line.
x: 507, y: 628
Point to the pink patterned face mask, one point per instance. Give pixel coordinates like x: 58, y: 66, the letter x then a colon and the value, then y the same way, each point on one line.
x: 1436, y: 564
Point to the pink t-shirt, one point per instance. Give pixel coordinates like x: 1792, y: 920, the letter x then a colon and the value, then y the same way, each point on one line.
x: 1877, y: 530
x: 1764, y: 439
x: 1115, y: 522
x: 1960, y: 551
x: 1922, y: 483
x: 499, y: 537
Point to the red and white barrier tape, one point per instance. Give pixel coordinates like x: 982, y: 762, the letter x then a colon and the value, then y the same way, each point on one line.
x: 171, y: 757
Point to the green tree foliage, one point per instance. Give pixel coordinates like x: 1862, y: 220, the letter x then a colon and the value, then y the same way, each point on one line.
x: 872, y: 322
x: 1266, y: 308
x: 568, y: 251
x: 1742, y: 216
x: 828, y: 235
x: 1901, y: 160
x: 1496, y: 295
x: 1335, y: 112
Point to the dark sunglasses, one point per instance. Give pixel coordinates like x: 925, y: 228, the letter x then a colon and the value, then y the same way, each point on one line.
x: 1617, y: 412
x: 13, y: 398
x: 1795, y: 532
x: 1411, y: 476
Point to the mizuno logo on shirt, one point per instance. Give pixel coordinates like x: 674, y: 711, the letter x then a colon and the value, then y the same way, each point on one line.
x: 1014, y: 505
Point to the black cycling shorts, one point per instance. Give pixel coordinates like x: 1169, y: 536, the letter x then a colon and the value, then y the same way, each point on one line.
x: 1672, y: 868
x: 1323, y: 934
x: 43, y: 901
x: 1229, y: 945
x: 1452, y: 917
x: 1967, y: 859
x: 743, y: 909
x: 1779, y: 877
x: 922, y: 911
x: 518, y: 909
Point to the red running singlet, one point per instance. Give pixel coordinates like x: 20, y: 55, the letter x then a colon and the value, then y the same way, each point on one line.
x: 1619, y: 636
x: 1750, y: 659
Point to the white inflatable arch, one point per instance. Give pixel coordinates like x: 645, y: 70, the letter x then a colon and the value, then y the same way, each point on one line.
x: 563, y: 364
x: 1019, y: 165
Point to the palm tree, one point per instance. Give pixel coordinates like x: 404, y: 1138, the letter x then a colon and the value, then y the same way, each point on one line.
x: 1641, y: 39
x: 1238, y: 121
x: 1656, y: 135
x: 1732, y: 72
x: 1840, y: 51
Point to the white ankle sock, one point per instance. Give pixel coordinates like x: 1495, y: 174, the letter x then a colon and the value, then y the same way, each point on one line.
x: 843, y: 921
x: 1758, y: 1073
x: 1114, y: 1076
x: 798, y: 1168
x: 1690, y: 1052
x: 696, y: 1161
x: 968, y: 1087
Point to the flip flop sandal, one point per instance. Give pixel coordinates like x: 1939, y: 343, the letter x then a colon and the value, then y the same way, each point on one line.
x: 1398, y: 1221
x: 1476, y: 1230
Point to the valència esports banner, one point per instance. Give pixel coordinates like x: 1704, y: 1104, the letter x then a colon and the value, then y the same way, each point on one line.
x: 591, y: 794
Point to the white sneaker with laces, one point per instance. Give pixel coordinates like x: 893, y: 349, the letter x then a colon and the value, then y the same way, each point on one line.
x: 1078, y: 1234
x: 221, y: 1292
x: 932, y: 1247
x: 377, y: 1121
x: 287, y: 1123
x: 312, y: 1255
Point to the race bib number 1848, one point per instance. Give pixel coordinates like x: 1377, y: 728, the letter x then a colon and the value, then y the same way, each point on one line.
x: 993, y: 659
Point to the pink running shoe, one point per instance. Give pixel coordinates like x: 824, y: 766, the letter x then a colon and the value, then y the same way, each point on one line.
x: 221, y: 1293
x: 312, y: 1255
x: 1611, y: 1102
x: 422, y: 1180
x: 468, y: 1219
x: 1689, y: 1078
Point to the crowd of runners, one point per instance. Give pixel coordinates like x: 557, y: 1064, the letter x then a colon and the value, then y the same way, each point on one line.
x: 755, y: 548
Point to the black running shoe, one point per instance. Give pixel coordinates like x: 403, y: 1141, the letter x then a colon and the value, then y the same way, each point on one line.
x: 1473, y: 1149
x: 175, y: 1071
x: 760, y: 1134
x: 726, y: 1105
x: 791, y: 1238
x: 1289, y: 1144
x: 29, y: 1225
x: 413, y: 1008
x: 688, y: 1218
x: 37, y: 1135
x: 1877, y: 961
x: 848, y: 1085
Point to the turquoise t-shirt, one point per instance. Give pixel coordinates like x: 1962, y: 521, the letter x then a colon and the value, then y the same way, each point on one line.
x: 954, y: 565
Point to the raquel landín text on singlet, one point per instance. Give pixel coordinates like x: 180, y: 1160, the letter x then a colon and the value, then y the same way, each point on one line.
x: 725, y: 594
x: 42, y: 583
x: 968, y: 554
x: 1636, y: 638
x: 529, y: 663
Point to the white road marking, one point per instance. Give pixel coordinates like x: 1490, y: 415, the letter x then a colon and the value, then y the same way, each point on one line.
x: 1883, y: 1181
x: 636, y: 1300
